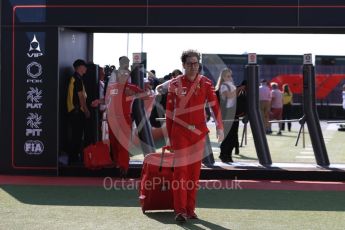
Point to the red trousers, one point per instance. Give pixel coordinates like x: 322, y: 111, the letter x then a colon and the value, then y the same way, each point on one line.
x: 120, y: 135
x: 188, y: 154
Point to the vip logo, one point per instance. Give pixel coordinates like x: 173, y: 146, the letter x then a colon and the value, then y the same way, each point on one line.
x: 34, y: 70
x: 34, y: 50
x: 33, y: 147
x: 34, y: 95
x: 34, y: 120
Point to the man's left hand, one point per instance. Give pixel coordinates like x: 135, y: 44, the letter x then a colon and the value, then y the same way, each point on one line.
x: 220, y: 135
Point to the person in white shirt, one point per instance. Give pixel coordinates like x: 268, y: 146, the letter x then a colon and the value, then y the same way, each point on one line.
x: 227, y: 93
x: 227, y: 96
x: 265, y: 104
x: 276, y: 105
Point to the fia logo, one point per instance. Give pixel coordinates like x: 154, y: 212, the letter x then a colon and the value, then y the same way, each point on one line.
x: 33, y: 121
x: 33, y: 97
x: 33, y: 147
x: 34, y: 50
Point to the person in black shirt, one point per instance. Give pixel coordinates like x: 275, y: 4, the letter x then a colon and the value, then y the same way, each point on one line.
x: 77, y: 110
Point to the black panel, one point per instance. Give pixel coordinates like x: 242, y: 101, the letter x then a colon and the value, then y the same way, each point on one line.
x: 329, y: 60
x: 224, y: 13
x: 35, y: 98
x: 5, y: 112
x: 82, y: 16
x: 218, y: 17
x: 91, y: 83
x: 321, y: 13
x: 324, y: 17
x: 280, y: 59
x: 247, y: 15
x: 72, y: 45
x: 225, y: 2
x: 107, y: 16
x: 96, y: 2
x: 321, y: 2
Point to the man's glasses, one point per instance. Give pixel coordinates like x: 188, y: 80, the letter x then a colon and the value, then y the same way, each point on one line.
x: 190, y: 64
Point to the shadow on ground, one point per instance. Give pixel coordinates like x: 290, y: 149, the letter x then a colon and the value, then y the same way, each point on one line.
x: 168, y: 218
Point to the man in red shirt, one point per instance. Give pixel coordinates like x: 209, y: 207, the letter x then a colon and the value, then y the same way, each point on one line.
x: 119, y: 98
x: 186, y: 126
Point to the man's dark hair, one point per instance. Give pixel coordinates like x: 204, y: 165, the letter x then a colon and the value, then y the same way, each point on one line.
x: 189, y: 53
x: 176, y: 72
x: 123, y: 58
x: 79, y: 62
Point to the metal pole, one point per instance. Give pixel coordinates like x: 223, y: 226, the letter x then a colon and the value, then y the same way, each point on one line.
x: 144, y: 127
x: 303, y: 136
x: 310, y: 112
x: 256, y: 122
x: 243, y: 134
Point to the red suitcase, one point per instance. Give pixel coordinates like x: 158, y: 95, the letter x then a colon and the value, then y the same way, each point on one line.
x: 156, y: 180
x: 97, y: 156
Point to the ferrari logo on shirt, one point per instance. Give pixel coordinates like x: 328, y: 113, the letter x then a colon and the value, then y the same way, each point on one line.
x: 181, y: 91
x: 114, y: 91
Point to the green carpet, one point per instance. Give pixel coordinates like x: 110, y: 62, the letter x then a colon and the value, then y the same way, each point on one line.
x: 60, y: 207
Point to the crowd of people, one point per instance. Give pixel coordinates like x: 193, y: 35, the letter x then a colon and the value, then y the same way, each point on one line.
x: 114, y: 86
x: 275, y: 104
x: 183, y: 97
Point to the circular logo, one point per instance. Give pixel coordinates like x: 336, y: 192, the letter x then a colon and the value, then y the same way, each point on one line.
x: 33, y: 147
x: 34, y: 70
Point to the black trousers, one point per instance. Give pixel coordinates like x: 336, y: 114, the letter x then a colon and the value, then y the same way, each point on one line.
x: 230, y: 141
x: 77, y: 125
x: 287, y: 115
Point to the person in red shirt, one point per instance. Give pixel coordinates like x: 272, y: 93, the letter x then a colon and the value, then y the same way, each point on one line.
x: 119, y: 98
x: 186, y: 126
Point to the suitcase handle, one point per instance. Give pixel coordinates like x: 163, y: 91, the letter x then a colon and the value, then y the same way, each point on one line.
x: 164, y: 148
